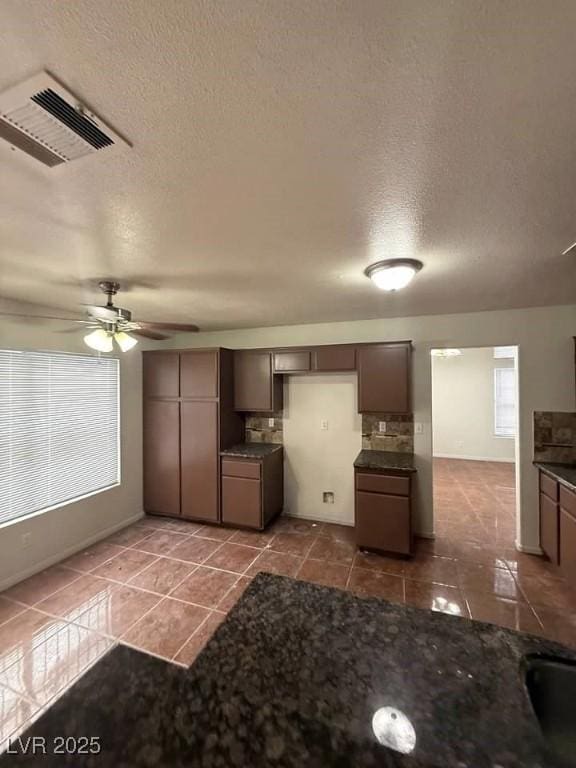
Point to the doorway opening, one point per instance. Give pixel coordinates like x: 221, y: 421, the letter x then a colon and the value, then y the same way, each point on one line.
x: 474, y: 432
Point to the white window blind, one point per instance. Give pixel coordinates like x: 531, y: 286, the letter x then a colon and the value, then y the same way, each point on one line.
x: 59, y: 429
x: 505, y: 402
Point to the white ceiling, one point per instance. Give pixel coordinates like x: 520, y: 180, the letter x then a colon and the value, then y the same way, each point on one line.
x: 280, y: 146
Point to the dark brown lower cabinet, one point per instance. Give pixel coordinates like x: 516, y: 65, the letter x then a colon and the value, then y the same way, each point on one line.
x: 199, y: 459
x: 558, y: 525
x: 383, y: 514
x: 252, y: 490
x: 568, y: 546
x: 549, y: 525
x: 162, y: 457
x: 242, y: 502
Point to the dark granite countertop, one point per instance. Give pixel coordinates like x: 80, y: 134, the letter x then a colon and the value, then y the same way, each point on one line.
x: 294, y: 677
x: 251, y: 450
x: 385, y: 460
x: 564, y: 473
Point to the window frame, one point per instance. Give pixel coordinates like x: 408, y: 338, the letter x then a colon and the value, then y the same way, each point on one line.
x: 499, y: 431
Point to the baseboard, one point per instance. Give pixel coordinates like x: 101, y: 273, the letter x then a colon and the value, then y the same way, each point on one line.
x: 425, y: 535
x: 337, y: 520
x: 529, y: 550
x: 472, y: 458
x: 53, y: 559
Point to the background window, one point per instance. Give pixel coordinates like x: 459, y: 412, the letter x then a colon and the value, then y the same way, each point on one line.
x: 59, y: 429
x: 505, y: 402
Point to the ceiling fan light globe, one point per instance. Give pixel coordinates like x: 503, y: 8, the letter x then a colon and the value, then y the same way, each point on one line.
x: 125, y: 341
x: 99, y: 340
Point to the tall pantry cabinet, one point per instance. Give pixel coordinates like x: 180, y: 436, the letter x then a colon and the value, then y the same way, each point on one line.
x: 188, y: 419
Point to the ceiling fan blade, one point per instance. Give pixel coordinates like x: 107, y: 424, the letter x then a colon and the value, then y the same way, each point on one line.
x: 148, y: 334
x: 42, y: 317
x: 169, y: 326
x: 102, y: 313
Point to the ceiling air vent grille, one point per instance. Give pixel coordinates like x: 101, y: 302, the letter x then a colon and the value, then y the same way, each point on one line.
x: 44, y: 120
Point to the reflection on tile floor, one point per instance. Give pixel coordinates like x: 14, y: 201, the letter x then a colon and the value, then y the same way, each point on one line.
x: 164, y: 586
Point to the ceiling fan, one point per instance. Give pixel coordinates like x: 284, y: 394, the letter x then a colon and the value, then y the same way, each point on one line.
x: 110, y: 324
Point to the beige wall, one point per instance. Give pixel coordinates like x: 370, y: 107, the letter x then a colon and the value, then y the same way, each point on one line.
x: 546, y: 374
x: 317, y: 460
x: 463, y: 407
x: 59, y: 532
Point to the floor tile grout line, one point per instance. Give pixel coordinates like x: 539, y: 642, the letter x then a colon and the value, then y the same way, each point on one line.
x: 45, y: 597
x: 185, y: 643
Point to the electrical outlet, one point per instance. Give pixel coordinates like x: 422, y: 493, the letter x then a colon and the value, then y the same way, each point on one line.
x: 270, y: 422
x: 418, y: 428
x: 328, y: 497
x: 26, y: 540
x: 323, y: 424
x: 381, y: 426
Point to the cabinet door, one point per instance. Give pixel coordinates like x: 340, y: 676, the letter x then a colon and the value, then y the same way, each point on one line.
x: 568, y: 546
x: 255, y: 386
x: 161, y: 374
x: 199, y: 460
x: 286, y: 362
x: 383, y: 522
x: 241, y: 502
x: 199, y: 374
x: 549, y: 527
x: 334, y: 358
x: 384, y: 378
x: 162, y: 457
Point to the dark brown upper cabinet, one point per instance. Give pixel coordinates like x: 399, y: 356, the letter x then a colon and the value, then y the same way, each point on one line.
x: 292, y: 362
x: 334, y: 358
x: 384, y: 380
x: 161, y: 374
x: 199, y: 374
x: 255, y: 386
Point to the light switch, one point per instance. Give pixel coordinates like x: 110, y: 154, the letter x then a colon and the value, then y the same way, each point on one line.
x: 270, y: 422
x: 418, y: 428
x: 381, y: 426
x: 323, y: 424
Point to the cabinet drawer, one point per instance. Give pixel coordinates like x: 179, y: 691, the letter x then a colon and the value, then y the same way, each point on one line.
x: 249, y: 469
x: 399, y: 486
x: 241, y: 502
x: 549, y: 527
x: 568, y: 500
x: 284, y: 362
x: 549, y: 486
x: 383, y: 522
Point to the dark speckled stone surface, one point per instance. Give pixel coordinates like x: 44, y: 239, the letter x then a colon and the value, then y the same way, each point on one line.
x: 564, y: 473
x: 293, y: 678
x: 251, y: 450
x: 385, y: 460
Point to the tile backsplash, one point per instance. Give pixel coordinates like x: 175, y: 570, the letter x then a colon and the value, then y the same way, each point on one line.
x: 555, y: 436
x: 259, y: 430
x: 399, y: 434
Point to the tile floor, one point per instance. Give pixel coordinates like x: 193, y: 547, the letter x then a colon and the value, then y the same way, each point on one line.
x: 163, y: 586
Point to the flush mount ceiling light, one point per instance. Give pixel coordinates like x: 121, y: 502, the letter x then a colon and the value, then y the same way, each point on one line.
x: 393, y: 274
x: 446, y: 352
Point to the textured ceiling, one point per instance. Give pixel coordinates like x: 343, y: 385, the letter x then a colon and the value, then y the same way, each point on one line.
x: 281, y: 146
